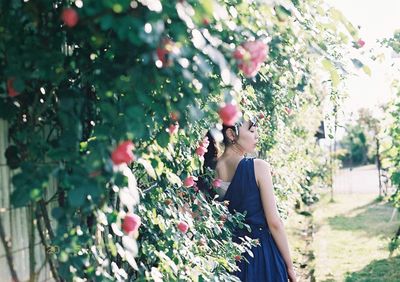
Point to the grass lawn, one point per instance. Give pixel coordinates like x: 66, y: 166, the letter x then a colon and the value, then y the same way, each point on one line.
x: 351, y: 239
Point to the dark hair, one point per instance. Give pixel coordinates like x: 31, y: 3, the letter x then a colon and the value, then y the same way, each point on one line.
x: 210, y: 162
x: 211, y: 156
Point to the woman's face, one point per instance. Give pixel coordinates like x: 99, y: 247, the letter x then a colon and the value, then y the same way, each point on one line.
x: 248, y: 137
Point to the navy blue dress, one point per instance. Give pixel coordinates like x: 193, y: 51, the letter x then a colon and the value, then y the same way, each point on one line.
x: 267, y: 264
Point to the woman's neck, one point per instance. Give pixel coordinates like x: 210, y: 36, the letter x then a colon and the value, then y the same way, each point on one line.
x: 234, y: 150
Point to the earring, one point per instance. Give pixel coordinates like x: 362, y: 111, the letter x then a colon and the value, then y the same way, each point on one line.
x: 233, y: 141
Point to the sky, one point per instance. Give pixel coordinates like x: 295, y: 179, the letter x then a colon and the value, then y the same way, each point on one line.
x: 377, y: 20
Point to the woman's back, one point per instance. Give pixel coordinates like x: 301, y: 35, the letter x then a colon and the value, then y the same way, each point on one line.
x: 243, y: 195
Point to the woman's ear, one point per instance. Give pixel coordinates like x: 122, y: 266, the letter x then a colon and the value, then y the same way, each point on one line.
x: 230, y: 134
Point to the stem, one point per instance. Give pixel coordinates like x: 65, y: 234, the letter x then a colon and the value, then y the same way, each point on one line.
x: 6, y: 244
x: 51, y: 198
x: 46, y: 219
x: 47, y: 249
x: 31, y: 236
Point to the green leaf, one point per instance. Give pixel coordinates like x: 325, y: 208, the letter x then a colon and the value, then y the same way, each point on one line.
x: 163, y: 139
x: 173, y: 178
x: 77, y: 197
x: 333, y: 72
x: 147, y: 165
x: 366, y: 69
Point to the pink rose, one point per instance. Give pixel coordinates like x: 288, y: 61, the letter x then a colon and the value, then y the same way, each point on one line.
x: 123, y: 153
x: 250, y: 56
x: 200, y: 151
x: 217, y: 183
x: 189, y: 181
x: 288, y: 110
x: 183, y: 226
x: 205, y: 142
x: 360, y: 43
x: 173, y: 128
x: 70, y: 17
x: 229, y: 114
x: 131, y: 223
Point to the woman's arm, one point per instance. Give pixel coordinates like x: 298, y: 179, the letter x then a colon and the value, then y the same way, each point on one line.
x: 264, y: 181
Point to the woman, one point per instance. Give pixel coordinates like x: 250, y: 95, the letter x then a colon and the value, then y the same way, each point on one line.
x: 247, y: 185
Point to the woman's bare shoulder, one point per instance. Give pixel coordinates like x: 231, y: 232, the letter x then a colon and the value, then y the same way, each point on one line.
x: 261, y: 169
x: 261, y: 164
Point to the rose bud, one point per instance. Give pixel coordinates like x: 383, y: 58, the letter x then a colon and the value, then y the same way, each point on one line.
x: 70, y: 17
x: 173, y: 128
x: 123, y: 153
x: 216, y: 183
x: 189, y: 181
x: 183, y: 226
x: 205, y: 142
x: 250, y: 56
x: 228, y: 114
x: 131, y: 223
x: 200, y: 151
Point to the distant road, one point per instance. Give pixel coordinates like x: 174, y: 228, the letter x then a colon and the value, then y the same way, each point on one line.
x: 360, y: 180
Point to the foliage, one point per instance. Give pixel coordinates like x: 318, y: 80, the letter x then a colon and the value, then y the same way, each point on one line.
x: 392, y: 154
x: 360, y: 139
x: 74, y: 86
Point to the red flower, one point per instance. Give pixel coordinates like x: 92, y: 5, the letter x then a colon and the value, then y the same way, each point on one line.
x: 131, y: 223
x: 173, y: 128
x: 360, y: 43
x: 200, y: 151
x: 10, y: 88
x: 216, y: 183
x: 175, y: 116
x: 229, y: 114
x: 288, y: 111
x: 168, y: 202
x: 164, y: 50
x: 205, y: 142
x: 250, y: 56
x: 183, y: 226
x: 261, y: 116
x: 238, y: 258
x: 206, y: 21
x: 189, y: 181
x: 70, y: 17
x: 123, y: 153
